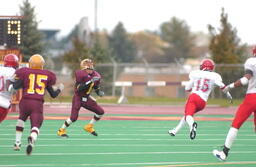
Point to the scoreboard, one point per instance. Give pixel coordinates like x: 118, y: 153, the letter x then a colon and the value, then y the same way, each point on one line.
x: 10, y: 31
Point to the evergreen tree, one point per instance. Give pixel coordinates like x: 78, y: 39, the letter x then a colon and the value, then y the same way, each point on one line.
x: 226, y: 48
x: 224, y: 45
x: 79, y: 52
x: 32, y: 37
x: 177, y: 34
x: 123, y: 49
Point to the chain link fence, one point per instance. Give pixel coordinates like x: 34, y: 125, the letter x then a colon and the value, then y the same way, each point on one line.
x: 172, y: 74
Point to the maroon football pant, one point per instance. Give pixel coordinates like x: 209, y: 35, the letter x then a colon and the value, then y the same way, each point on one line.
x: 32, y: 108
x: 90, y: 105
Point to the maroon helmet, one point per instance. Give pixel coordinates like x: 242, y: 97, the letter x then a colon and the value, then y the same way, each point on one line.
x: 11, y: 60
x: 207, y: 65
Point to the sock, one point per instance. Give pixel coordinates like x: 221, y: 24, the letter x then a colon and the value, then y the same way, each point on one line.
x: 19, y: 130
x: 226, y: 150
x: 34, y: 133
x: 95, y: 118
x: 66, y: 123
x: 190, y: 121
x: 180, y: 125
x: 231, y: 136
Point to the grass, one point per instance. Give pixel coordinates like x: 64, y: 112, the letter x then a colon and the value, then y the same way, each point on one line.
x: 149, y: 100
x: 128, y: 144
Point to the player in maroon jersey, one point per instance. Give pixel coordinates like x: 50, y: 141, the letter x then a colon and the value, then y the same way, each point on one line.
x: 34, y: 82
x: 87, y: 79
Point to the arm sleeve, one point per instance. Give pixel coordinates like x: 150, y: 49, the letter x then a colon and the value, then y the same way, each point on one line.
x: 18, y: 79
x: 53, y: 93
x: 189, y: 85
x: 18, y: 84
x: 83, y: 86
x: 218, y: 82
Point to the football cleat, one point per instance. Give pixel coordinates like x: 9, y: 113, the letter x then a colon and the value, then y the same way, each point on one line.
x: 193, y: 131
x: 62, y: 132
x: 89, y: 128
x: 172, y: 132
x: 30, y: 146
x: 220, y: 155
x: 17, y: 146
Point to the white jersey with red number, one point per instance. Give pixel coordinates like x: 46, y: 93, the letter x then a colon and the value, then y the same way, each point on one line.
x: 6, y: 73
x: 203, y: 82
x: 250, y: 64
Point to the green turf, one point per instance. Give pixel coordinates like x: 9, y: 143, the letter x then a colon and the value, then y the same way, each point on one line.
x: 148, y: 100
x: 128, y: 143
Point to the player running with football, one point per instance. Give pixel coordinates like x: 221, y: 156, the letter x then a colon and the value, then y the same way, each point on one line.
x: 87, y: 79
x: 245, y: 109
x: 11, y: 62
x: 200, y: 85
x: 34, y: 81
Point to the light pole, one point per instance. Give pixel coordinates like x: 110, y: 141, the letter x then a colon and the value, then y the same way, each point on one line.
x: 95, y: 15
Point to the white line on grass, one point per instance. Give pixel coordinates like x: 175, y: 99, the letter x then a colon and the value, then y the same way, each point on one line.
x: 128, y: 134
x: 126, y: 153
x: 127, y: 145
x: 105, y: 164
x: 128, y: 139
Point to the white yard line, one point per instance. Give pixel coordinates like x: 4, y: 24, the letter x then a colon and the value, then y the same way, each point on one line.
x: 124, y: 153
x: 126, y: 145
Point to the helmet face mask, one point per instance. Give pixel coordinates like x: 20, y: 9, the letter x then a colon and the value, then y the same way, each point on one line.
x: 207, y: 65
x: 11, y: 60
x: 36, y: 62
x: 87, y: 64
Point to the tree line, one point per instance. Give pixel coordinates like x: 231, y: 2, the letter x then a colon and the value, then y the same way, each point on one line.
x: 173, y: 43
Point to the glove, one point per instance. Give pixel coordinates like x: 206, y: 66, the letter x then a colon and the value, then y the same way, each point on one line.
x: 228, y: 88
x: 11, y: 89
x: 229, y: 98
x: 60, y: 87
x: 100, y: 93
x: 96, y: 78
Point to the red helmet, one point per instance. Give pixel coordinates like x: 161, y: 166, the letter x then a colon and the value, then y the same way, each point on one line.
x: 254, y: 51
x: 207, y: 65
x: 11, y: 60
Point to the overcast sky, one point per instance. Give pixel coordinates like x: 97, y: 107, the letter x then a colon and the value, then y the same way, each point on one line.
x: 139, y: 15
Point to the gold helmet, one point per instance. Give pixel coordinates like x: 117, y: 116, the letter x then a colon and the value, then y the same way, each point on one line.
x: 86, y: 64
x: 36, y: 62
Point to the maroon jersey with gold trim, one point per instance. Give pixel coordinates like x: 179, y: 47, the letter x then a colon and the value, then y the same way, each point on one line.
x: 82, y: 77
x: 35, y: 82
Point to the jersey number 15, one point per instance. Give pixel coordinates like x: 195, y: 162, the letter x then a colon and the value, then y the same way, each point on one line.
x: 36, y: 84
x: 203, y: 85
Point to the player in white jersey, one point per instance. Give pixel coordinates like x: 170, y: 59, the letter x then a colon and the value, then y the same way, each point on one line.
x: 201, y: 83
x: 245, y: 109
x: 6, y: 77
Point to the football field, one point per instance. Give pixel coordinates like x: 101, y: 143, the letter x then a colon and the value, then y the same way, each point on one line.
x: 128, y: 140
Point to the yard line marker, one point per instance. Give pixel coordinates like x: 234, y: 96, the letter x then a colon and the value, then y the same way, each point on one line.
x: 126, y: 145
x: 214, y: 164
x: 127, y: 139
x: 105, y: 164
x: 125, y: 153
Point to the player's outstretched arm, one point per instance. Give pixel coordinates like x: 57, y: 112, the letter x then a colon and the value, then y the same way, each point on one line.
x: 240, y: 82
x: 55, y: 91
